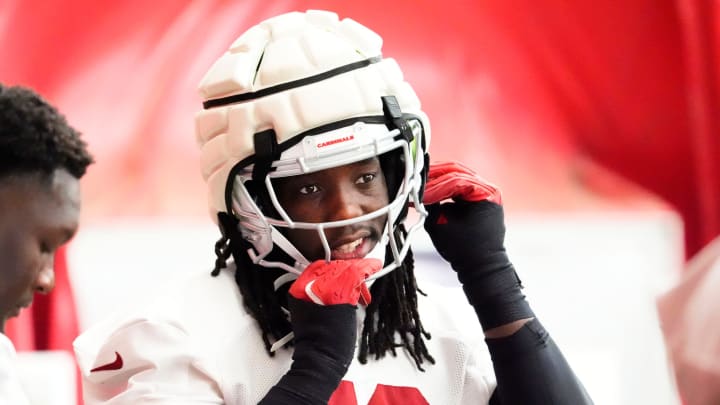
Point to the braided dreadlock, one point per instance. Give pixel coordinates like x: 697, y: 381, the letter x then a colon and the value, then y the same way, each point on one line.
x: 393, y: 310
x: 255, y: 282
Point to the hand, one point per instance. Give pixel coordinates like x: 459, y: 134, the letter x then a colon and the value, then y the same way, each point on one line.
x: 470, y: 229
x: 469, y: 232
x: 322, y: 307
x: 336, y: 282
x: 452, y: 180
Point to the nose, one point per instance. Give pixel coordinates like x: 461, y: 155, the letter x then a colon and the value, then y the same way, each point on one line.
x: 45, y: 280
x: 345, y: 203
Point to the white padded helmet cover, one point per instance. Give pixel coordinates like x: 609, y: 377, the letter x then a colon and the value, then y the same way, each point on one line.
x: 283, y: 49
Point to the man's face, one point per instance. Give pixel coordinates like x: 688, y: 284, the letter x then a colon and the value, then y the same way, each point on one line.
x: 36, y: 217
x: 332, y: 195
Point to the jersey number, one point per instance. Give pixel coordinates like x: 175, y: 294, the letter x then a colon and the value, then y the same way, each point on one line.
x: 383, y: 395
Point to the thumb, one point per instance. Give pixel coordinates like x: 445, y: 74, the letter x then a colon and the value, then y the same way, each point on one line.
x: 435, y: 216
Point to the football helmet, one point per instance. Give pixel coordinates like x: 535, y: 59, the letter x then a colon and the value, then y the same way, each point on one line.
x: 299, y: 93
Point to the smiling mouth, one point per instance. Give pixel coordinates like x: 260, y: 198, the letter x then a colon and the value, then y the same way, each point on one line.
x: 355, y: 249
x: 349, y: 247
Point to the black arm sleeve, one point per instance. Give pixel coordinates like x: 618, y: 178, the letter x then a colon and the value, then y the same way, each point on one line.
x: 530, y: 369
x: 324, y: 346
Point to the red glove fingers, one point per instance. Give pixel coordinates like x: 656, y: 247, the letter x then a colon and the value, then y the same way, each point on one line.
x: 336, y: 282
x: 452, y: 180
x: 439, y: 168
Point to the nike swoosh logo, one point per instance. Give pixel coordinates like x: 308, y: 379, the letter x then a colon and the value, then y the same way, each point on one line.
x: 115, y: 365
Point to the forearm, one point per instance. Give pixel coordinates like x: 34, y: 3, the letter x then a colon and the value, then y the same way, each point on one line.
x: 506, y: 329
x: 311, y: 383
x: 469, y: 233
x: 531, y: 369
x: 529, y: 366
x: 324, y: 346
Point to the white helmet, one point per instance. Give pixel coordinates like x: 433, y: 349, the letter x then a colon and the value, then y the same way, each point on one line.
x: 298, y: 93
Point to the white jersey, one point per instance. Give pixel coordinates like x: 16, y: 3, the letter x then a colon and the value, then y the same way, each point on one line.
x: 198, y: 345
x: 11, y: 391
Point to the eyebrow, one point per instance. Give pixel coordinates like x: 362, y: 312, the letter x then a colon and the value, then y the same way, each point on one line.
x: 366, y: 161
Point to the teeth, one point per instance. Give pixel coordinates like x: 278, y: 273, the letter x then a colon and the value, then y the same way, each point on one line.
x: 349, y: 247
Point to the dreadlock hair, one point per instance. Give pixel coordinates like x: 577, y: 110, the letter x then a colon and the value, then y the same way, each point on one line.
x: 393, y: 310
x: 36, y: 138
x: 255, y: 282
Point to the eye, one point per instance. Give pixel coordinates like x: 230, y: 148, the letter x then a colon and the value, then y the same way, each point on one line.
x: 365, y: 178
x: 309, y: 189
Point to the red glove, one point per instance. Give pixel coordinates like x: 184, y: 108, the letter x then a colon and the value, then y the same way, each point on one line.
x: 453, y: 180
x: 336, y: 282
x: 469, y: 232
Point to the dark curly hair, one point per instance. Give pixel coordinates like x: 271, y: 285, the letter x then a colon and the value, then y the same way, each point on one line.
x: 36, y: 138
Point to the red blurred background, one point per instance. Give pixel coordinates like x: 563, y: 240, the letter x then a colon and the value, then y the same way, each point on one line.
x: 550, y: 100
x: 567, y: 105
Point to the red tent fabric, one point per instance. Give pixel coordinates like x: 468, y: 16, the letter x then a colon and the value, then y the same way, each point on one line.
x: 566, y: 105
x: 548, y: 99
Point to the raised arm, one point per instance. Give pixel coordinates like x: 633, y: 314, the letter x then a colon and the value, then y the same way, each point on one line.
x: 322, y: 306
x: 466, y: 225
